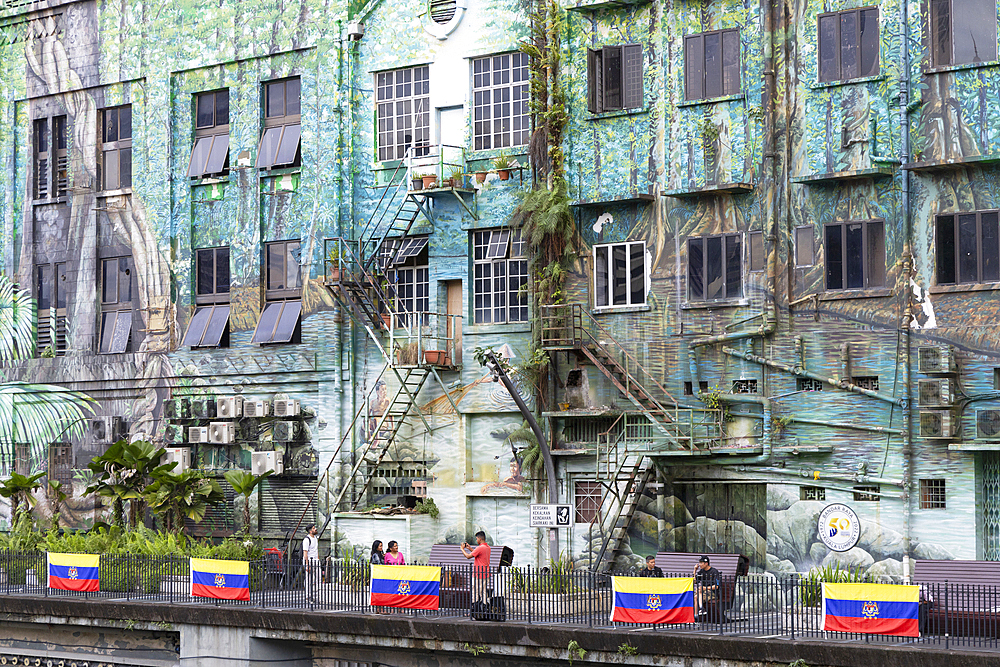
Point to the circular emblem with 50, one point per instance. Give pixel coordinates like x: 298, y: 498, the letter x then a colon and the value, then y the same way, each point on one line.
x: 839, y: 527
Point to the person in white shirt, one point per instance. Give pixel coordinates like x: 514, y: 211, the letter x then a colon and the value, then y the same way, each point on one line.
x: 310, y: 556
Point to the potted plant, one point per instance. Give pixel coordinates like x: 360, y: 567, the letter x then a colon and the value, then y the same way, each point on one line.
x: 503, y: 163
x: 416, y: 182
x: 456, y: 178
x: 429, y: 179
x: 436, y: 357
x: 481, y: 176
x: 333, y: 260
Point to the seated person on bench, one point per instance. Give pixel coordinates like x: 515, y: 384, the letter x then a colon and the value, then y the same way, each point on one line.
x: 706, y: 584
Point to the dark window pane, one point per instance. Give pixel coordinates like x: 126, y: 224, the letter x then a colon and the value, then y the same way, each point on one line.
x: 694, y: 62
x: 876, y: 254
x: 196, y: 329
x: 945, y: 241
x: 713, y: 65
x: 734, y: 267
x: 109, y: 281
x: 222, y: 270
x: 869, y: 42
x: 619, y: 275
x: 222, y: 107
x: 849, y: 45
x: 107, y: 330
x: 61, y: 285
x: 595, y: 93
x: 601, y: 275
x: 125, y: 167
x: 637, y: 263
x: 975, y: 31
x: 803, y: 246
x: 834, y: 257
x: 757, y: 251
x: 714, y: 276
x: 829, y: 43
x: 633, y: 77
x: 293, y: 268
x: 276, y: 266
x: 42, y: 135
x: 968, y: 249
x: 276, y: 99
x: 216, y: 326
x: 44, y: 286
x: 206, y: 110
x: 287, y: 321
x: 206, y: 272
x: 612, y: 77
x: 696, y: 269
x: 110, y: 125
x: 112, y: 170
x: 941, y: 31
x: 731, y: 62
x: 292, y: 97
x: 854, y: 259
x: 990, y: 248
x: 60, y: 132
x: 264, y: 333
x: 124, y: 123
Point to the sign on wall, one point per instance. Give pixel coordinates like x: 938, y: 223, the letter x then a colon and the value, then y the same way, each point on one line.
x: 550, y: 516
x: 839, y: 527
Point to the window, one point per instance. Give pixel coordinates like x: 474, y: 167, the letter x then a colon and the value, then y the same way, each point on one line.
x: 932, y: 494
x: 209, y: 326
x: 848, y: 44
x: 51, y: 161
x: 587, y: 500
x: 855, y: 255
x: 745, y: 386
x: 715, y: 268
x: 804, y: 251
x: 403, y: 109
x: 689, y: 388
x: 500, y: 100
x: 812, y: 493
x: 210, y: 153
x: 61, y: 464
x: 712, y: 64
x: 500, y: 271
x: 866, y: 494
x: 116, y: 148
x: 869, y: 382
x: 963, y: 31
x: 408, y: 287
x: 996, y: 379
x: 620, y: 274
x: 968, y: 248
x: 116, y: 305
x: 279, y: 145
x: 757, y: 257
x: 50, y: 294
x: 808, y: 384
x: 614, y: 78
x: 280, y: 320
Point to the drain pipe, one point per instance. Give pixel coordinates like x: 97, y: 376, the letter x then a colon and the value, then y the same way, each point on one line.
x: 767, y: 433
x: 906, y: 275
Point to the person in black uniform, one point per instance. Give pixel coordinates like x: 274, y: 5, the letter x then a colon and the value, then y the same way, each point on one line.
x: 706, y: 584
x: 651, y: 570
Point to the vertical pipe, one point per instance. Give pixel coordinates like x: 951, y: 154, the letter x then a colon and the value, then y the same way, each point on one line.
x: 904, y: 144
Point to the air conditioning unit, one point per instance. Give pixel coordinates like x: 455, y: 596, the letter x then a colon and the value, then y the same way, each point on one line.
x: 203, y: 408
x: 988, y: 424
x: 173, y: 435
x: 285, y: 431
x: 179, y: 455
x: 936, y: 360
x: 221, y: 433
x: 177, y: 408
x: 229, y: 407
x: 936, y: 424
x: 255, y: 408
x: 106, y: 430
x: 935, y: 392
x: 261, y: 462
x: 198, y: 434
x: 286, y: 407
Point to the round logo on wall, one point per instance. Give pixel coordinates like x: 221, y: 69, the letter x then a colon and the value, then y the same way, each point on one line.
x: 839, y: 527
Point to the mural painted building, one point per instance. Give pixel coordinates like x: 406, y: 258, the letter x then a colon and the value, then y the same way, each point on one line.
x: 780, y: 294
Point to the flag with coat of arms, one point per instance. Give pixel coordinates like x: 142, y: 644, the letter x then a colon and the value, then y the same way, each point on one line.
x: 653, y: 600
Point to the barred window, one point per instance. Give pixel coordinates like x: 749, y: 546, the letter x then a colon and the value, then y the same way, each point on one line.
x: 866, y: 494
x: 500, y: 267
x: 869, y: 382
x: 808, y: 384
x: 403, y: 110
x: 587, y: 501
x: 500, y: 100
x: 745, y: 386
x: 932, y: 496
x: 812, y: 493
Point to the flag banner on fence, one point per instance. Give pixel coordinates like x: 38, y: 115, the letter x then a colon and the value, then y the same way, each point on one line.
x: 653, y: 600
x: 74, y: 572
x: 879, y: 609
x: 406, y: 586
x: 220, y: 579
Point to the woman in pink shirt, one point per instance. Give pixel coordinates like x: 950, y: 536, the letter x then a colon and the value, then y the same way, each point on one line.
x: 392, y: 556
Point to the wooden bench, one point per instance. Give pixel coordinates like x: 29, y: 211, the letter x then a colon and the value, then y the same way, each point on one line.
x: 959, y: 597
x: 455, y: 578
x: 730, y: 566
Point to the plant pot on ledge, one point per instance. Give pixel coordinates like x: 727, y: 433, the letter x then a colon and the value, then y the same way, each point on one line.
x: 417, y: 183
x: 436, y: 357
x: 429, y: 181
x: 503, y: 174
x: 481, y: 176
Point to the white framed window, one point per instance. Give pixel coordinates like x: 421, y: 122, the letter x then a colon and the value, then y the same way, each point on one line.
x: 409, y: 286
x: 403, y: 110
x: 620, y: 274
x: 500, y: 100
x: 500, y: 270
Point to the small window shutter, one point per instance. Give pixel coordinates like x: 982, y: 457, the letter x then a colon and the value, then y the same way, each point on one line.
x: 633, y: 77
x: 594, y: 81
x: 612, y: 57
x: 694, y: 61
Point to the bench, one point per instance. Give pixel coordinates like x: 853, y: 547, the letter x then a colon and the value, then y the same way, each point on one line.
x: 959, y: 597
x: 455, y: 586
x: 730, y: 566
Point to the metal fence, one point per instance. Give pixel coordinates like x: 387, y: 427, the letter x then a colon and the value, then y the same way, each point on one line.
x: 756, y: 605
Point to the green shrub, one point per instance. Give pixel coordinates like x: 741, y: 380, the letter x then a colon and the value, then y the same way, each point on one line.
x: 811, y: 584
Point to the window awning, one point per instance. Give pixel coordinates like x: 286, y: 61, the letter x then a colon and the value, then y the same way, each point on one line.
x: 207, y: 326
x: 277, y: 323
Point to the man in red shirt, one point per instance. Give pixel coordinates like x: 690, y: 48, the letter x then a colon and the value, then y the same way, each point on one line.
x: 480, y: 565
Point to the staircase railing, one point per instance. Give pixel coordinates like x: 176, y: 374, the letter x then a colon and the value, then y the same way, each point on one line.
x: 370, y: 230
x: 425, y: 338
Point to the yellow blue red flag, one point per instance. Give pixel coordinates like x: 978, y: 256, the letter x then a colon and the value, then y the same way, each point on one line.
x: 880, y: 609
x: 220, y: 579
x: 407, y: 586
x: 74, y: 572
x: 653, y: 600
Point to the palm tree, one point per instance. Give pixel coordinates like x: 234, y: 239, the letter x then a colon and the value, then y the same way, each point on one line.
x: 186, y: 495
x: 19, y: 489
x: 243, y: 484
x: 122, y: 473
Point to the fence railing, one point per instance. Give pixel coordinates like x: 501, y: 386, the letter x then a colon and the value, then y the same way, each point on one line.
x: 757, y: 604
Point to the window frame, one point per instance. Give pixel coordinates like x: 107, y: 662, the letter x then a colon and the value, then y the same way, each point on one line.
x: 696, y: 70
x: 408, y: 287
x: 630, y: 91
x: 868, y: 280
x: 113, y: 313
x: 934, y: 32
x: 725, y: 269
x: 839, y: 49
x: 956, y: 248
x: 509, y: 267
x: 49, y: 331
x: 420, y: 133
x: 283, y: 293
x: 515, y: 127
x: 609, y: 260
x: 50, y: 175
x: 215, y: 296
x: 216, y: 133
x: 286, y: 126
x: 585, y: 491
x: 118, y: 147
x: 933, y: 494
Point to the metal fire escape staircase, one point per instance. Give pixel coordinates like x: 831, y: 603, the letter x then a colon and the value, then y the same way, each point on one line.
x: 358, y: 275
